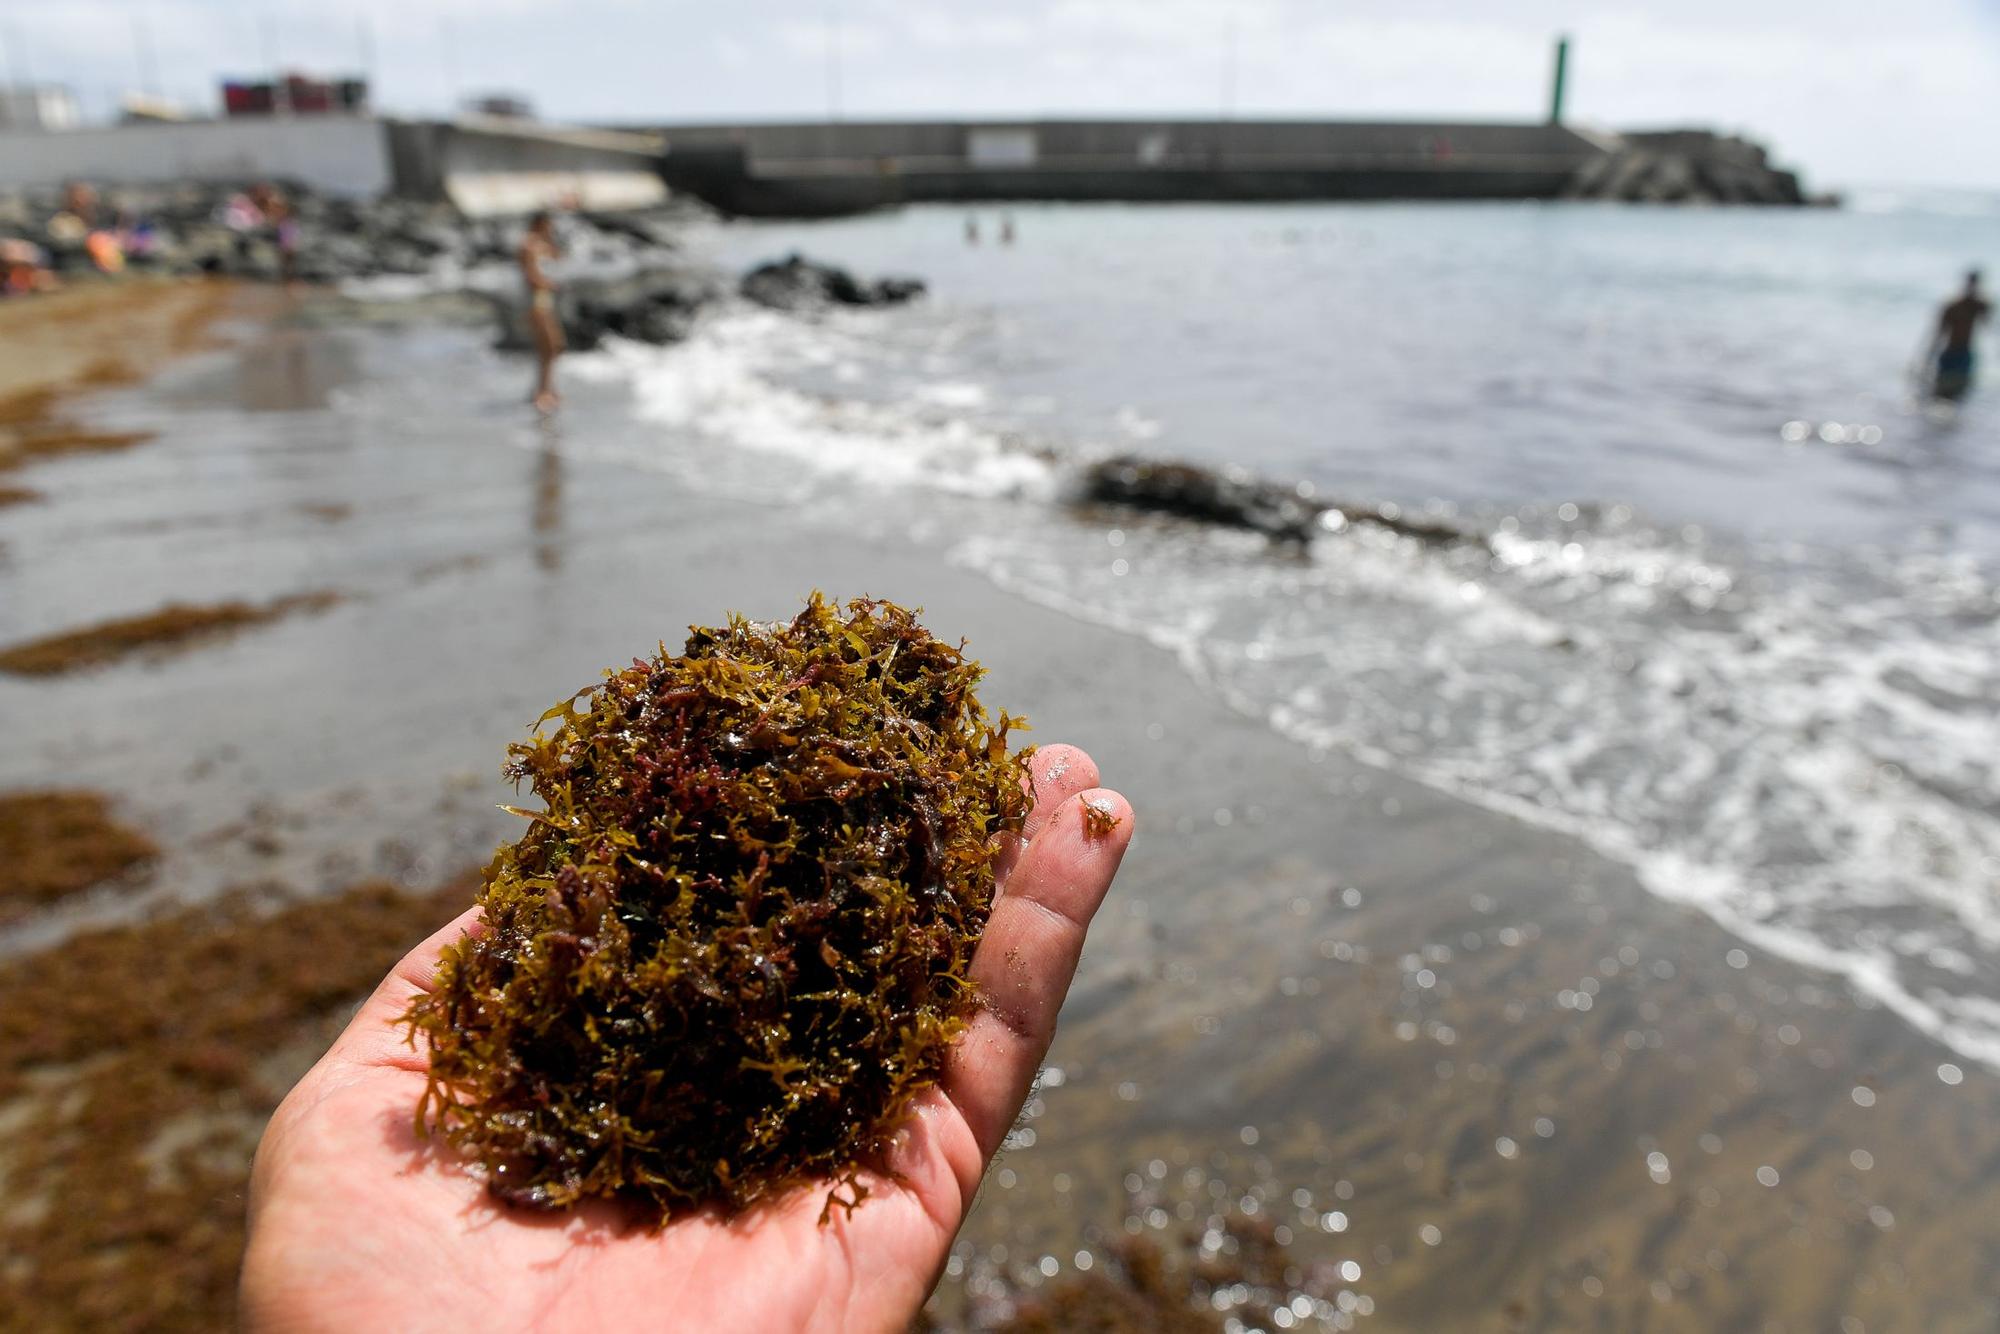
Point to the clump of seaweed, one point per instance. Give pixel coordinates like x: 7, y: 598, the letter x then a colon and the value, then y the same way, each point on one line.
x: 735, y: 944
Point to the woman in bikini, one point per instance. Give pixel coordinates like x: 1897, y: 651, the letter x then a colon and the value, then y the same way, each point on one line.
x: 537, y: 248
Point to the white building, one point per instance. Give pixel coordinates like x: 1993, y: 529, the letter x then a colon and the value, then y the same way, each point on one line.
x: 43, y: 106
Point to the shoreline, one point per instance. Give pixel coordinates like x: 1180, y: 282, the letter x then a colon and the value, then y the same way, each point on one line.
x: 102, y: 332
x: 1231, y: 983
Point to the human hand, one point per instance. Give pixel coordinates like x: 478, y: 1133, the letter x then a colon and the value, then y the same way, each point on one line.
x: 356, y: 1223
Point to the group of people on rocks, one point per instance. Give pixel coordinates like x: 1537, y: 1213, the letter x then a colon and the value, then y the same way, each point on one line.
x: 85, y: 235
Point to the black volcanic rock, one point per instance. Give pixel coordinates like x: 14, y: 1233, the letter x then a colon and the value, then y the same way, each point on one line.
x: 652, y: 306
x: 797, y: 283
x: 1192, y: 492
x: 1234, y: 499
x: 656, y: 305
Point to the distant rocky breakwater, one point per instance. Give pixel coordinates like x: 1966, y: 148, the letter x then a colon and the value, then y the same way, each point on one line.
x: 1689, y: 167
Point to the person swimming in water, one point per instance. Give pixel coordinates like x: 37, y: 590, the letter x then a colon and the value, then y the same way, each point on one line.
x: 1951, y: 347
x: 544, y: 324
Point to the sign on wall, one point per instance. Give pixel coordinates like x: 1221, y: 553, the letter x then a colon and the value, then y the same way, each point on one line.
x: 1000, y: 148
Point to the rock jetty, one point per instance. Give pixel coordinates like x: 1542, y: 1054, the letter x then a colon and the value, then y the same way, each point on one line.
x: 1688, y: 167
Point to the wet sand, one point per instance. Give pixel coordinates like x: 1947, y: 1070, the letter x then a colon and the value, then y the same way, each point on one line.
x: 98, y: 333
x: 1471, y: 1060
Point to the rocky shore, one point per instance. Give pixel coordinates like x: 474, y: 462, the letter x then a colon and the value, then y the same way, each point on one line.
x: 220, y: 230
x: 624, y: 274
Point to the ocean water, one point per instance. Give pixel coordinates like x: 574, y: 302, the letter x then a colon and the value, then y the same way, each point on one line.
x: 1734, y: 617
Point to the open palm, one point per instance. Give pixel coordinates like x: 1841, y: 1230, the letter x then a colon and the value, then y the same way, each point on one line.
x: 358, y: 1224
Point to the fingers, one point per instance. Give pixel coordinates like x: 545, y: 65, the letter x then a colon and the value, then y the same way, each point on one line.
x: 1054, y: 775
x: 1028, y: 956
x: 373, y: 1037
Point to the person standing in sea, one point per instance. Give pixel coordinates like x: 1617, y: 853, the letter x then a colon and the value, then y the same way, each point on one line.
x: 1952, y: 346
x: 538, y: 247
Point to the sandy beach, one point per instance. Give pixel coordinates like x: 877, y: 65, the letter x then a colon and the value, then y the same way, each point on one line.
x: 1468, y: 1067
x: 104, y: 332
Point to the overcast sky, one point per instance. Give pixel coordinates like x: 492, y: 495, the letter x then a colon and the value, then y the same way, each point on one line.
x: 1854, y: 91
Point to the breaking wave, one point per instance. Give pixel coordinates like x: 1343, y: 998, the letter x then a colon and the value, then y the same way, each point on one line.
x: 1799, y: 744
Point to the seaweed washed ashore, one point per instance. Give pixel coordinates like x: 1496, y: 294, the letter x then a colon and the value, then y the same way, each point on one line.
x: 734, y: 945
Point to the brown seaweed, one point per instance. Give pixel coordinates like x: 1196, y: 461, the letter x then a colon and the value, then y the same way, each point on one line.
x: 58, y: 843
x: 734, y: 943
x: 138, y: 1065
x: 1098, y: 818
x: 176, y: 625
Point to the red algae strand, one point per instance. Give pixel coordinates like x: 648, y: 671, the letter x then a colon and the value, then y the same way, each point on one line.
x: 1099, y: 818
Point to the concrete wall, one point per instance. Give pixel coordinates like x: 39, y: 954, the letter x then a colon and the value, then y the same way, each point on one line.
x: 484, y: 166
x: 491, y: 167
x: 342, y: 155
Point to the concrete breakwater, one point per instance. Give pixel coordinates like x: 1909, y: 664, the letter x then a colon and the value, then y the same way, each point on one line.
x: 805, y: 170
x: 485, y: 167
